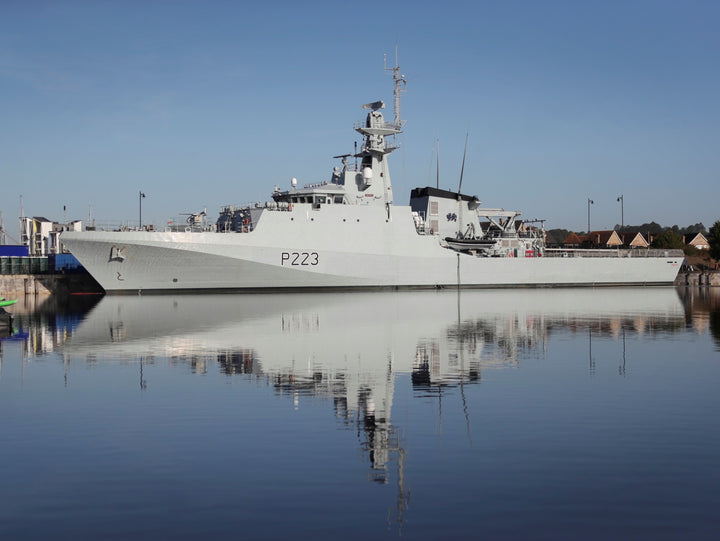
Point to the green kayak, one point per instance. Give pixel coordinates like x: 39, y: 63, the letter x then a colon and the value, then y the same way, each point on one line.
x: 3, y: 302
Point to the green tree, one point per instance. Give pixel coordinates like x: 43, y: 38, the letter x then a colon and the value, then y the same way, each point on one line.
x: 714, y: 240
x: 557, y: 236
x: 668, y: 239
x: 652, y: 228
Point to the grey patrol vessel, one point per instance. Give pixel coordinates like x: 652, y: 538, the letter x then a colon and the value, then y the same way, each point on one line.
x: 346, y: 232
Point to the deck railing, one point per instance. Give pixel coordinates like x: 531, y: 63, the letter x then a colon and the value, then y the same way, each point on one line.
x: 618, y: 252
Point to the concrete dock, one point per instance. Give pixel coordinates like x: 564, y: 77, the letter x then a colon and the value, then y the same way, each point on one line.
x: 18, y: 285
x: 704, y: 278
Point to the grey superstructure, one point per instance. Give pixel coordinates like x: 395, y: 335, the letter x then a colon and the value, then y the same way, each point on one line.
x: 348, y: 233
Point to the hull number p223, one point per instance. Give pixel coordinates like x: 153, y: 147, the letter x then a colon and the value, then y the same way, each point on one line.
x: 299, y: 259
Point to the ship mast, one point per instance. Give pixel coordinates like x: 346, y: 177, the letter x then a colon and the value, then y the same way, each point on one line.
x: 374, y: 166
x: 400, y: 83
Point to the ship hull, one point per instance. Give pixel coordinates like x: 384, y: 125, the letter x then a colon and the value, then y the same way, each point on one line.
x: 336, y: 248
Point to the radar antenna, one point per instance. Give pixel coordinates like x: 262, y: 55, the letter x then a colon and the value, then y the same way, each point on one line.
x: 374, y: 106
x: 400, y: 83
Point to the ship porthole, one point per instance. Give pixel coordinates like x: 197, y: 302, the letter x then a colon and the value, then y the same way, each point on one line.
x: 174, y: 279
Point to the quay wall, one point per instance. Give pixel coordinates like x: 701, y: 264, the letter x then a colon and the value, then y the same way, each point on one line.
x: 17, y: 285
x: 711, y: 278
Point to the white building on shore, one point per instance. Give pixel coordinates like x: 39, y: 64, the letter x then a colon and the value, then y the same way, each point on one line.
x: 42, y: 236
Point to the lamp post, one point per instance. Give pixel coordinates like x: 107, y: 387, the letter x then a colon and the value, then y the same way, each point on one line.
x: 590, y: 202
x: 622, y: 212
x: 140, y: 198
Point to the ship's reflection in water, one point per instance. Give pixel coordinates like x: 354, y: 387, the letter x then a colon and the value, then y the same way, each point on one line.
x: 350, y: 350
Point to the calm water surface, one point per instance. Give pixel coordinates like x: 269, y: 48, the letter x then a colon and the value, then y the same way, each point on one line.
x: 548, y: 414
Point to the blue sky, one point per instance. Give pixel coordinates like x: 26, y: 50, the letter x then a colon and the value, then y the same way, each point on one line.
x: 206, y: 103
